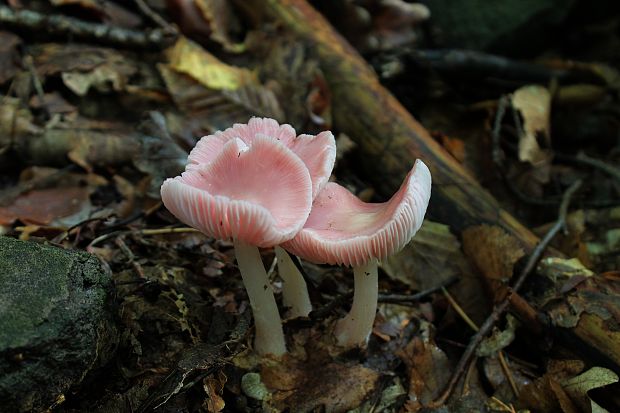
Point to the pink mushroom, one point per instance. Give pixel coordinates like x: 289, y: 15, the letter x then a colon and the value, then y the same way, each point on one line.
x: 253, y: 184
x: 343, y: 230
x: 318, y: 154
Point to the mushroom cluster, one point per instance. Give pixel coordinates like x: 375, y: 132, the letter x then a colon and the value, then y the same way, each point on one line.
x: 262, y: 185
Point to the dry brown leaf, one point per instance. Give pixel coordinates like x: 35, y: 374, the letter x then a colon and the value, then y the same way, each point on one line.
x: 9, y: 55
x: 429, y: 260
x: 394, y: 22
x: 455, y: 146
x: 534, y: 104
x: 328, y: 386
x: 493, y: 250
x: 429, y: 371
x: 208, y: 87
x: 214, y: 387
x: 220, y: 19
x: 45, y: 205
x: 54, y: 103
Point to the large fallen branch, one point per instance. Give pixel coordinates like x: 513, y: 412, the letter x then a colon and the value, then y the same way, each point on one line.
x: 389, y: 137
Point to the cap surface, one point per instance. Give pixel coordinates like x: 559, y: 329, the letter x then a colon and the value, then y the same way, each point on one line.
x: 259, y: 194
x: 318, y: 152
x: 343, y: 230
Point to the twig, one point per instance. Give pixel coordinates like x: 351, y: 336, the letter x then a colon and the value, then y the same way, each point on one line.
x: 459, y: 310
x: 36, y: 82
x: 474, y: 327
x: 499, y: 309
x: 157, y: 231
x: 405, y: 299
x: 469, y: 63
x: 582, y: 158
x: 498, y: 154
x: 508, y: 373
x: 130, y: 256
x: 156, y: 18
x: 63, y: 25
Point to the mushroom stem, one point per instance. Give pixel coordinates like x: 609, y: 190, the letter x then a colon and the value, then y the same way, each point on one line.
x: 294, y: 288
x: 355, y: 328
x: 269, y: 335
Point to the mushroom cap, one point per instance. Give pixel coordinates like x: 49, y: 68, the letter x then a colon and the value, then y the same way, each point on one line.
x: 258, y: 194
x: 343, y: 230
x: 318, y: 152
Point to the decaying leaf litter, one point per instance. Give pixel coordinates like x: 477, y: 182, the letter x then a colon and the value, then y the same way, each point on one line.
x: 93, y: 120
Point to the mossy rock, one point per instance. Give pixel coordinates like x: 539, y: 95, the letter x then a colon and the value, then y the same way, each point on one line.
x: 55, y: 322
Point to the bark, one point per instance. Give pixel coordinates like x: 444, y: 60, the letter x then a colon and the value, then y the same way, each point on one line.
x: 389, y: 138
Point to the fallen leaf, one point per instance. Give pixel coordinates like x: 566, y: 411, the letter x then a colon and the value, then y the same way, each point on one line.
x: 499, y: 339
x: 214, y: 388
x: 394, y: 22
x: 546, y: 395
x: 494, y: 251
x: 9, y: 56
x: 430, y: 259
x: 206, y: 87
x: 534, y: 103
x: 577, y: 387
x: 455, y: 146
x: 294, y: 75
x: 46, y: 205
x: 428, y: 368
x: 16, y: 123
x: 54, y: 103
x: 221, y: 20
x: 307, y: 386
x: 190, y: 58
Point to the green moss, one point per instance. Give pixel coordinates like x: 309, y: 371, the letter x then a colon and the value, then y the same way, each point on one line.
x: 55, y: 323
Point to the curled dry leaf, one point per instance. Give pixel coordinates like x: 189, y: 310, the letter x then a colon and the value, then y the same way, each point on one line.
x: 429, y: 371
x: 534, y: 104
x: 214, y: 387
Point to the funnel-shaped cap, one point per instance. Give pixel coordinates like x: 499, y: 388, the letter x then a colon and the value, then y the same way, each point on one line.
x: 341, y: 229
x: 258, y: 194
x: 317, y: 152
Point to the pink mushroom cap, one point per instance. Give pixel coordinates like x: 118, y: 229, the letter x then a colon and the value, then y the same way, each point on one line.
x: 318, y: 152
x: 258, y: 194
x: 343, y: 230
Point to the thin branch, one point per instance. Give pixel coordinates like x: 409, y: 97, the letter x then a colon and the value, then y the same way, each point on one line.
x: 155, y: 18
x: 403, y: 299
x: 474, y: 327
x: 499, y: 309
x: 68, y: 26
x: 508, y: 373
x: 583, y: 159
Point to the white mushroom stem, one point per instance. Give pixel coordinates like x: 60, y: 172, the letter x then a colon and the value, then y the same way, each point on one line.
x: 355, y: 328
x: 294, y: 288
x: 269, y: 335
